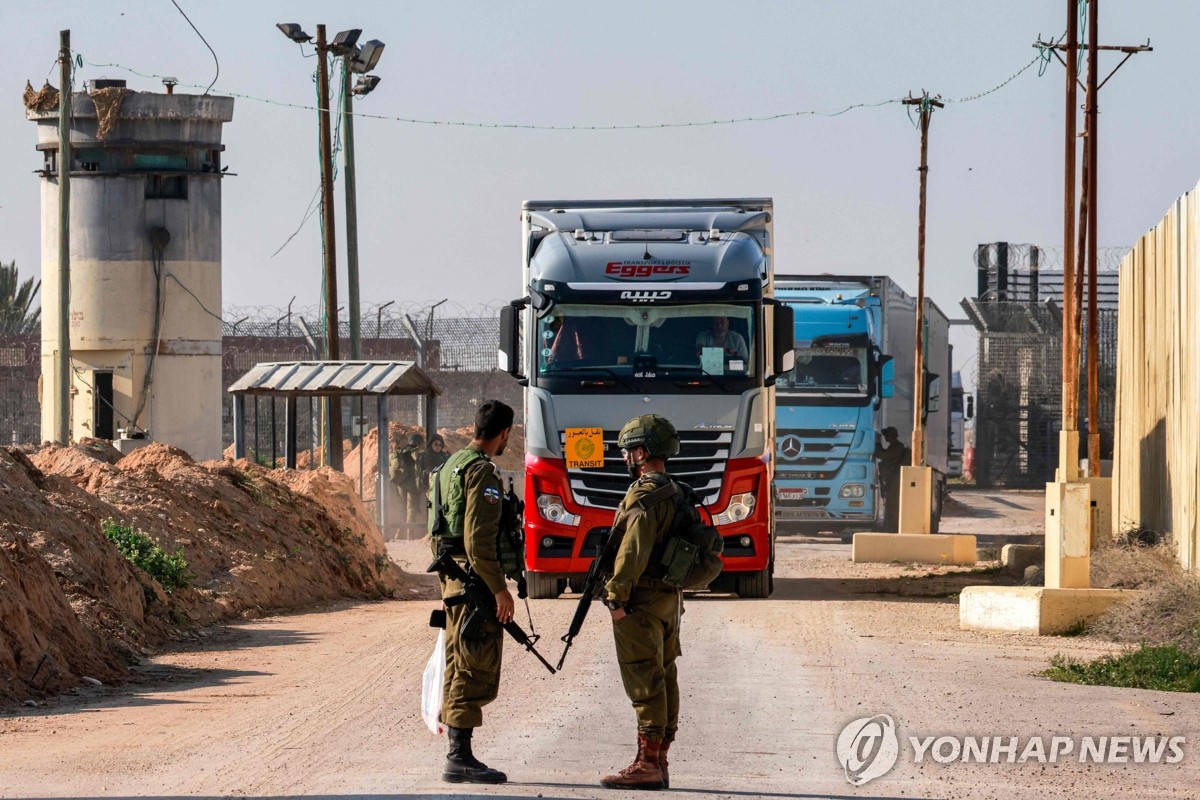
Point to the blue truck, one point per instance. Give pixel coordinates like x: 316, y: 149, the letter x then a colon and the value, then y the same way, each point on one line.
x: 853, y: 376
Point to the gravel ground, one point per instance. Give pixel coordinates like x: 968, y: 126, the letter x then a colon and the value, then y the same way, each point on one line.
x: 324, y: 703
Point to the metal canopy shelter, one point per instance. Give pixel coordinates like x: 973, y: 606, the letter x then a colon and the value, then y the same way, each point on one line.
x: 294, y: 379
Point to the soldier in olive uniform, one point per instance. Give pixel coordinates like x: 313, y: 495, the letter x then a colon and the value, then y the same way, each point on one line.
x: 645, y: 611
x: 471, y: 493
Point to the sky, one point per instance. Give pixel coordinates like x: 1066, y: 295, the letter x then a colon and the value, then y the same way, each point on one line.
x: 438, y: 205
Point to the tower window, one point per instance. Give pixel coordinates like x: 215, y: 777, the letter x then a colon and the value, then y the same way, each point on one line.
x: 166, y: 187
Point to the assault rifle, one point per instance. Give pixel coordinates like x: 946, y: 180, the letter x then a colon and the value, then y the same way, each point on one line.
x: 482, y: 602
x: 512, y: 530
x: 598, y: 574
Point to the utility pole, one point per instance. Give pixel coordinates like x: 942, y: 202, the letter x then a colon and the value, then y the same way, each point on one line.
x: 1068, y: 462
x: 62, y: 433
x: 1093, y: 199
x: 1082, y: 262
x: 927, y: 105
x: 333, y: 405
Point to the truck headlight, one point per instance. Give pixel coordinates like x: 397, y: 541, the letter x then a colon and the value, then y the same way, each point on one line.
x: 853, y: 490
x: 551, y: 507
x: 740, y: 507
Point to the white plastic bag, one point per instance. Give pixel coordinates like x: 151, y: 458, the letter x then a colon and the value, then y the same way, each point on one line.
x: 431, y: 689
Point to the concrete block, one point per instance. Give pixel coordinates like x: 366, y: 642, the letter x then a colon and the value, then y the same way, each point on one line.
x: 916, y: 499
x: 1102, y: 505
x: 1016, y: 557
x: 1069, y: 520
x: 922, y: 548
x: 1032, y: 609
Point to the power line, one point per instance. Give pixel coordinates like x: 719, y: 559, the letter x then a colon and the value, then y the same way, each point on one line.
x: 603, y: 127
x: 206, y: 44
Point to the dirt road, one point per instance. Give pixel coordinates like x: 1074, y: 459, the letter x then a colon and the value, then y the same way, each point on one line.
x: 325, y: 703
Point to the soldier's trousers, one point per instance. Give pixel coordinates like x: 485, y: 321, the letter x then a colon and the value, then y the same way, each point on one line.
x: 413, y: 505
x: 472, y: 670
x: 647, y: 645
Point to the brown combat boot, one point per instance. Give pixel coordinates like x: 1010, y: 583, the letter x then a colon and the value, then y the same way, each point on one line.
x: 662, y: 762
x: 643, y: 773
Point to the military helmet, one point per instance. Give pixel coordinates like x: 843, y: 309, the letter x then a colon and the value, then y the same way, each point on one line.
x: 415, y: 439
x: 652, y: 432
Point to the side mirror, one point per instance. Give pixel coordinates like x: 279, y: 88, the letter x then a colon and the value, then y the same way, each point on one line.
x: 887, y: 376
x: 783, y: 329
x: 970, y: 407
x: 933, y: 393
x: 509, y: 355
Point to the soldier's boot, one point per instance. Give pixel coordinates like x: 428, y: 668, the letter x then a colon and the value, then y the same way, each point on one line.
x: 662, y: 762
x: 643, y: 773
x: 461, y: 764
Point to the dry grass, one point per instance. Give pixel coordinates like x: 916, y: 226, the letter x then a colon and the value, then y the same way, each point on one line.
x: 1166, y: 610
x: 1128, y: 565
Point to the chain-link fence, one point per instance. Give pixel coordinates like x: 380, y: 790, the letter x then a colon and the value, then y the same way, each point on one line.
x: 20, y: 369
x: 459, y: 356
x: 1019, y: 390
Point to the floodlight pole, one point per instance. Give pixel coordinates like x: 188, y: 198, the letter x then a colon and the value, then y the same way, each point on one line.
x: 351, y: 211
x: 333, y: 437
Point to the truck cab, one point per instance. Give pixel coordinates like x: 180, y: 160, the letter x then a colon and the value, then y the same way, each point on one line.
x: 853, y: 376
x: 635, y: 307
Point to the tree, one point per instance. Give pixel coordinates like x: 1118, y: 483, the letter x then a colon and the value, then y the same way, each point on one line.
x: 16, y: 297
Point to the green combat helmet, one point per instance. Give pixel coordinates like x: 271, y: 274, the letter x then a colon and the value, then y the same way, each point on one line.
x: 652, y: 432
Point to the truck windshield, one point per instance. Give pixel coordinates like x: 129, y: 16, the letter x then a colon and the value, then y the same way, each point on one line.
x: 827, y: 369
x: 679, y: 341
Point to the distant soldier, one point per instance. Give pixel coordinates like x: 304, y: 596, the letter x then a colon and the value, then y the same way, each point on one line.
x: 892, y: 455
x: 403, y: 471
x: 434, y: 456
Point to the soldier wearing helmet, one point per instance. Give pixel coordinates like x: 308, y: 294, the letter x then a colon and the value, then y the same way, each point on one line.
x: 404, y: 473
x: 645, y: 611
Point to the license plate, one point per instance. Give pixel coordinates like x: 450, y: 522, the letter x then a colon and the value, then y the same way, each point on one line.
x: 793, y: 494
x: 803, y: 513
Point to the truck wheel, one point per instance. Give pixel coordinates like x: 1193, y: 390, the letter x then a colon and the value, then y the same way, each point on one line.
x: 754, y: 584
x: 542, y: 587
x: 576, y: 584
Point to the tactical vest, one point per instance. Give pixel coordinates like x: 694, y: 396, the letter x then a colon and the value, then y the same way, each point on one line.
x: 448, y: 511
x: 446, y: 520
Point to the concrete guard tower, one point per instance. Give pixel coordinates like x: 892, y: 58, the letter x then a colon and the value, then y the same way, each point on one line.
x: 145, y: 327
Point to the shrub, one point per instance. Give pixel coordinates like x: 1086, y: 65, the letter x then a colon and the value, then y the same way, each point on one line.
x: 169, y: 570
x: 1166, y: 668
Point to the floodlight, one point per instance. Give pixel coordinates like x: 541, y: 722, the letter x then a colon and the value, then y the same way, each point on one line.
x: 344, y: 43
x: 293, y: 31
x: 368, y: 56
x: 366, y: 84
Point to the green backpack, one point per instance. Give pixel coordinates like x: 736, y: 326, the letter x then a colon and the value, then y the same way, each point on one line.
x: 691, y: 555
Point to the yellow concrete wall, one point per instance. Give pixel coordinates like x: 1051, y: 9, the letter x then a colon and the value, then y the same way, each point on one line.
x: 1156, y: 463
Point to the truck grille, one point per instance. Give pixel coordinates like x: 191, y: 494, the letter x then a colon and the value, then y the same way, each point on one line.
x: 811, y: 450
x: 700, y: 464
